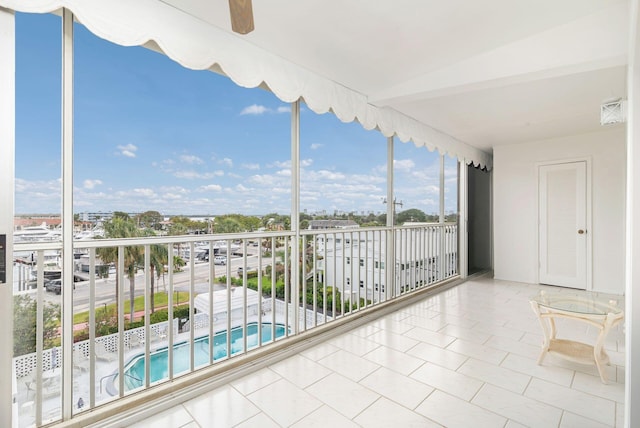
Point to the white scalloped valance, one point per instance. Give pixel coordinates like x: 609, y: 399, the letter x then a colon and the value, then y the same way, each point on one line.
x: 199, y: 46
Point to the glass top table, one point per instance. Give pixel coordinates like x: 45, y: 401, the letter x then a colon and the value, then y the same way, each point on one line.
x: 584, y: 303
x: 597, y: 310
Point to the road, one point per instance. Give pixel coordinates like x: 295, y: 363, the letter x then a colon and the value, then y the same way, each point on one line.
x: 105, y: 288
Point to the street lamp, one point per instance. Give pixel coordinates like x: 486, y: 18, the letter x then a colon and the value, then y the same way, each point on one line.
x: 396, y: 203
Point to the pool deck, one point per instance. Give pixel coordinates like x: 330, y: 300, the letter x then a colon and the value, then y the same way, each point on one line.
x: 104, y: 370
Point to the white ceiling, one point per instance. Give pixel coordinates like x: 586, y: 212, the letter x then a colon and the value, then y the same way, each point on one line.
x: 487, y: 72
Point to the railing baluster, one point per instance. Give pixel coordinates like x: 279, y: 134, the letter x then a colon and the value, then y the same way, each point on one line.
x: 120, y: 303
x: 39, y: 335
x: 211, y: 282
x: 92, y: 327
x: 244, y: 296
x: 424, y: 255
x: 147, y: 309
x: 170, y: 320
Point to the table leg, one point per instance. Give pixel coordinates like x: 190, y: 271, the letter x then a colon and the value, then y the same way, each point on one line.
x: 546, y: 333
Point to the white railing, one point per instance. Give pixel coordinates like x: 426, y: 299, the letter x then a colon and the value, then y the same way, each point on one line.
x: 229, y: 282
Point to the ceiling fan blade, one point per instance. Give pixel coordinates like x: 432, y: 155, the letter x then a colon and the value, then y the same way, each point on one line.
x: 241, y: 13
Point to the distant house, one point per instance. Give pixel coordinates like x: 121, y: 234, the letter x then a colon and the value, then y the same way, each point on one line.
x: 21, y: 222
x: 332, y: 224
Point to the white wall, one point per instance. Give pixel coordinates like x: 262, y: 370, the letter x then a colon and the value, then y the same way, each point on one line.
x: 516, y: 205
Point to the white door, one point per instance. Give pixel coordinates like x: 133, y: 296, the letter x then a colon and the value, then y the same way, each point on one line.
x: 563, y: 221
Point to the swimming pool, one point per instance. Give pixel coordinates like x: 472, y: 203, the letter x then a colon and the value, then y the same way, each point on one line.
x: 159, y: 359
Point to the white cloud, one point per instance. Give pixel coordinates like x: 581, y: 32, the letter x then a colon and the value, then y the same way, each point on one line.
x: 252, y: 166
x: 191, y: 175
x: 175, y: 189
x: 263, y: 180
x: 144, y: 192
x: 241, y: 188
x: 432, y: 190
x: 281, y: 190
x: 90, y: 184
x: 280, y: 164
x: 54, y: 184
x: 257, y: 110
x: 226, y: 161
x: 360, y: 178
x: 316, y: 146
x: 254, y: 109
x: 323, y: 174
x: 191, y: 159
x: 403, y: 164
x: 212, y: 188
x: 287, y: 163
x: 171, y: 196
x: 129, y: 150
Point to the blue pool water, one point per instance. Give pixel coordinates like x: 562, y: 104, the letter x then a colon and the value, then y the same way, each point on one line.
x: 159, y: 359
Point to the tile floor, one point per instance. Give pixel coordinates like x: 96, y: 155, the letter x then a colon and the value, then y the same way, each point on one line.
x: 465, y: 357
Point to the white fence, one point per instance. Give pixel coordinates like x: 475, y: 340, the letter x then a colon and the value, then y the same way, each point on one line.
x: 51, y: 358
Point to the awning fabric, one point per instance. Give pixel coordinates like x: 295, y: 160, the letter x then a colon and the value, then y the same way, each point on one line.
x: 198, y: 45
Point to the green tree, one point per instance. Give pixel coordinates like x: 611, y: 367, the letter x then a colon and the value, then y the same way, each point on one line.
x: 411, y: 215
x: 158, y: 258
x: 121, y: 215
x: 24, y: 321
x: 188, y: 225
x: 150, y: 219
x: 117, y: 228
x: 275, y: 221
x: 227, y: 224
x: 178, y: 263
x: 177, y: 229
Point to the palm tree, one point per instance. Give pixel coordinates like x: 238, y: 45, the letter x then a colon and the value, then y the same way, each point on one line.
x: 159, y: 256
x: 109, y: 255
x: 120, y: 227
x: 177, y: 229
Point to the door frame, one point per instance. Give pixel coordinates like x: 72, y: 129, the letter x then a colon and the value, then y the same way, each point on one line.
x: 588, y: 208
x: 8, y: 408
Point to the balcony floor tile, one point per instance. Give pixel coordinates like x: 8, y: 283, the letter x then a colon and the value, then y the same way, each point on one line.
x: 439, y: 361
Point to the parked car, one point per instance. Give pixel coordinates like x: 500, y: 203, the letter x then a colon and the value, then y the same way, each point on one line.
x: 203, y: 256
x: 55, y: 286
x: 220, y: 260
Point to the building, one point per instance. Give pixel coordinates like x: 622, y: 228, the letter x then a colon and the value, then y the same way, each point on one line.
x: 513, y: 88
x: 355, y: 262
x: 332, y: 224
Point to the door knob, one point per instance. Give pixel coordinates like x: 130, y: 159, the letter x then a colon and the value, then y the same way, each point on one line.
x: 580, y: 232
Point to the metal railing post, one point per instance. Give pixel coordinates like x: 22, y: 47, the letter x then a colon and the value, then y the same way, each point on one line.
x: 67, y: 214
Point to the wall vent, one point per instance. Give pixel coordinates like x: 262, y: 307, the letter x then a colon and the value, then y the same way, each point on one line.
x: 612, y: 112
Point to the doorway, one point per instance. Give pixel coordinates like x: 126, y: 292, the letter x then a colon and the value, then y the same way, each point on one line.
x: 479, y: 232
x: 563, y: 233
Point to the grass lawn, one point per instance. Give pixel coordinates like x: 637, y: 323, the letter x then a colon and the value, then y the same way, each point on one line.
x: 160, y: 300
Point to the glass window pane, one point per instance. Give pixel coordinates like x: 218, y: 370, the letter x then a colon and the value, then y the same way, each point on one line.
x: 153, y: 135
x: 416, y: 183
x: 343, y: 170
x: 38, y: 208
x: 451, y: 189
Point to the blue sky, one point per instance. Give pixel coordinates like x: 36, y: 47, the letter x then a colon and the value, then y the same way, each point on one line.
x: 152, y: 135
